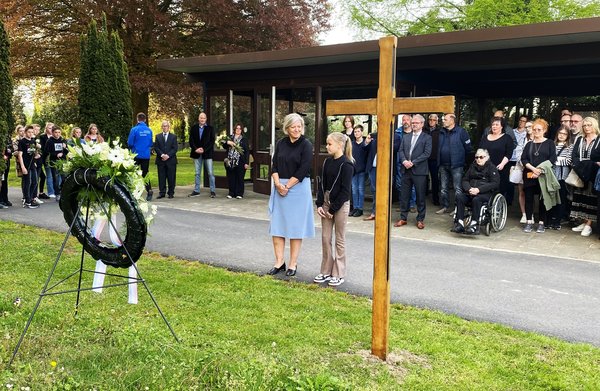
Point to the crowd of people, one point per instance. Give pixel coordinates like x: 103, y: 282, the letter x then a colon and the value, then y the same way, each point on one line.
x: 557, y: 168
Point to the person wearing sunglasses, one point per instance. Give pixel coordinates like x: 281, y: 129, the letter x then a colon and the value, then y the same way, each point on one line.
x: 479, y: 183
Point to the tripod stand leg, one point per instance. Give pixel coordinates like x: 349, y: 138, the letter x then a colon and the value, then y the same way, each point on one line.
x: 87, y: 216
x: 142, y: 280
x: 43, y: 292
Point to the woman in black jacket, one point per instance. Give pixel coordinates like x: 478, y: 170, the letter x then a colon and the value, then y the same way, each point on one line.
x: 479, y: 184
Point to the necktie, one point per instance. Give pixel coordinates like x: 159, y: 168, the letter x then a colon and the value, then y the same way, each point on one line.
x: 413, y: 141
x: 166, y: 134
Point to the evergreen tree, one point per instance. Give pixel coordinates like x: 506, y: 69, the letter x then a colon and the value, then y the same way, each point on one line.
x: 104, y: 90
x: 7, y: 122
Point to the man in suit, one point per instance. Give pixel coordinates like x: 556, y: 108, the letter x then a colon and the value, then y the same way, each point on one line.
x: 202, y: 143
x: 414, y: 153
x: 165, y: 146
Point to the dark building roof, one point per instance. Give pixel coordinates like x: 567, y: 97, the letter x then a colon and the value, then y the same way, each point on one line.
x: 552, y: 59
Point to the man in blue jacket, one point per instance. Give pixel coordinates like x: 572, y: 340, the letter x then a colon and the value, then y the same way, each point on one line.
x: 454, y: 145
x: 140, y: 142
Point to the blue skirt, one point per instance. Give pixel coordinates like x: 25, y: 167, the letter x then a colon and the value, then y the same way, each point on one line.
x: 292, y: 216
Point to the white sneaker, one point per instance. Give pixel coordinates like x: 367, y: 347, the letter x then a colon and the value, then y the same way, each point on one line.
x: 322, y: 278
x: 335, y: 281
x: 587, y: 230
x: 52, y: 196
x: 523, y: 219
x: 441, y: 211
x: 38, y: 200
x: 579, y: 228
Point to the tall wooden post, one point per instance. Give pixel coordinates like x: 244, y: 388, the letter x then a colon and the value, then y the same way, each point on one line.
x: 386, y: 106
x: 381, y: 269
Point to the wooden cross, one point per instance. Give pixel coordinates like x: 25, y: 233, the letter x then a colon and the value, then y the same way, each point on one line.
x: 386, y: 106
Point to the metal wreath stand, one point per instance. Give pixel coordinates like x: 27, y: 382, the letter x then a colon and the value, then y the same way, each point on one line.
x: 122, y: 256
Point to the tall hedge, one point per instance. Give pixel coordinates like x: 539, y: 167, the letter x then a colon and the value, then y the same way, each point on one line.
x: 104, y: 90
x: 7, y: 122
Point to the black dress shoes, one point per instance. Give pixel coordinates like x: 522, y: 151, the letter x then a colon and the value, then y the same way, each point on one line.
x: 276, y: 270
x: 290, y: 272
x: 160, y: 196
x: 170, y: 195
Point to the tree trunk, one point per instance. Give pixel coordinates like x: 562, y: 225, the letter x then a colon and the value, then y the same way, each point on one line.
x: 139, y: 101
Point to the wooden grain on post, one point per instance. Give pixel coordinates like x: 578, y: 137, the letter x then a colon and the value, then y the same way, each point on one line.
x: 381, y: 280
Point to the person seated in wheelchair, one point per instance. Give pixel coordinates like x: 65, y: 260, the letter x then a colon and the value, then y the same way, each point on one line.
x: 479, y: 184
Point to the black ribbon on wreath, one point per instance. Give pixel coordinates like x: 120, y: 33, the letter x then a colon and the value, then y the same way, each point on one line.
x: 132, y: 247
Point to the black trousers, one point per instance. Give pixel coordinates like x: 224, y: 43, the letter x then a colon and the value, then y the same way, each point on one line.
x: 435, y: 181
x: 235, y: 179
x: 420, y: 183
x: 145, y: 166
x: 530, y: 192
x: 166, y: 176
x: 476, y: 202
x: 4, y: 186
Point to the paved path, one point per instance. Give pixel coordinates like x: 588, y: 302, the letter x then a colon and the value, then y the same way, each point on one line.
x: 510, y: 278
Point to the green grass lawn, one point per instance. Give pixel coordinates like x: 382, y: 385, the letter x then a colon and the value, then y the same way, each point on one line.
x: 240, y: 331
x: 185, y: 171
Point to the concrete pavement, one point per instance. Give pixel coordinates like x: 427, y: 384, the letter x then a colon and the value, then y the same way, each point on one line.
x: 564, y: 243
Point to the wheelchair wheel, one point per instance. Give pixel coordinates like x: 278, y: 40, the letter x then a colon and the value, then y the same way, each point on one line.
x: 487, y: 229
x: 498, y: 212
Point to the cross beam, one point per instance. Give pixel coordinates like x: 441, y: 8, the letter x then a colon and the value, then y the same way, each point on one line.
x: 385, y: 106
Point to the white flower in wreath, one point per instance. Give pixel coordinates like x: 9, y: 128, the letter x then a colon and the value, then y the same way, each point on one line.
x: 88, y: 149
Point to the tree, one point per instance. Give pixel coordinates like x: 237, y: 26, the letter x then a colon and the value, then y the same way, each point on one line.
x: 46, y: 33
x: 7, y: 122
x: 104, y: 91
x: 414, y: 17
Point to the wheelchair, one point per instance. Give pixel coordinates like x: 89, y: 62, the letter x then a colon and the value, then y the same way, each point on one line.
x: 492, y: 217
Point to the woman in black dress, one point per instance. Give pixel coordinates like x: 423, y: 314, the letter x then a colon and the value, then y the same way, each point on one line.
x: 500, y: 146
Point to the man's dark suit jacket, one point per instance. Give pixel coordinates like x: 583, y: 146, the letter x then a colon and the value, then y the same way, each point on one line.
x: 170, y: 148
x: 420, y: 154
x: 207, y: 141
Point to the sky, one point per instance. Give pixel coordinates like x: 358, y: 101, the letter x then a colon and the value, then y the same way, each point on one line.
x: 340, y: 33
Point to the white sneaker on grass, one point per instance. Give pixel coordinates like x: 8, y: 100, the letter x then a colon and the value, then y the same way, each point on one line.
x: 335, y: 281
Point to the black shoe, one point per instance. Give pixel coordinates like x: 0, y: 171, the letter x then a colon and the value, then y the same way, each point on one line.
x: 458, y: 228
x: 473, y: 229
x: 358, y: 212
x: 213, y: 194
x: 8, y: 203
x: 43, y: 196
x: 194, y: 194
x: 149, y: 196
x: 351, y: 213
x: 160, y: 196
x: 276, y: 270
x: 170, y: 195
x: 290, y: 272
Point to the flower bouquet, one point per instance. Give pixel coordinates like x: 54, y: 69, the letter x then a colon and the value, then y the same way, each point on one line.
x: 223, y: 138
x: 106, y: 179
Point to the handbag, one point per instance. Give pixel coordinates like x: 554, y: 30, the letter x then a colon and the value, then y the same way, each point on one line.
x: 574, y: 180
x: 516, y: 174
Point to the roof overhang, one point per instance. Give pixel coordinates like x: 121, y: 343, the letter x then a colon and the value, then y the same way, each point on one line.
x: 551, y: 35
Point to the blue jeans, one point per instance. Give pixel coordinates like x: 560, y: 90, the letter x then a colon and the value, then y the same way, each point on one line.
x: 358, y: 190
x: 49, y: 180
x: 372, y: 179
x: 446, y: 172
x: 208, y: 163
